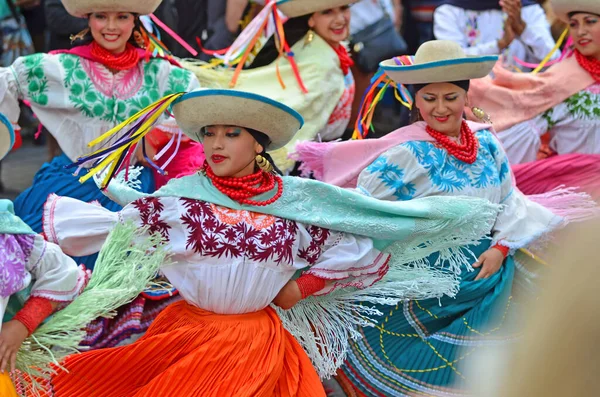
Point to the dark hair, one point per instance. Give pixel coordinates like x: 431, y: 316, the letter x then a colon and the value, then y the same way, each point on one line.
x: 295, y: 29
x: 137, y: 26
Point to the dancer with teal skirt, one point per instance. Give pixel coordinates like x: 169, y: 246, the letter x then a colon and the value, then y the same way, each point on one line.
x: 420, y: 347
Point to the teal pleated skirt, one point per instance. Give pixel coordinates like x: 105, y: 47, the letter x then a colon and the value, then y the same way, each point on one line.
x: 421, y: 348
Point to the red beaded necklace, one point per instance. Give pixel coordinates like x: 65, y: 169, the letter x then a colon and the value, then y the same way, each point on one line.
x: 345, y: 61
x: 466, y: 151
x: 591, y: 65
x: 243, y: 188
x: 128, y: 59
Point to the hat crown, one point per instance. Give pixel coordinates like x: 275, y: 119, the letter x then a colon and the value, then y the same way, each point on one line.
x: 438, y: 50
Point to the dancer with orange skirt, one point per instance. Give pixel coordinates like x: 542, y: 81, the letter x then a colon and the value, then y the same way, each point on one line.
x: 239, y: 235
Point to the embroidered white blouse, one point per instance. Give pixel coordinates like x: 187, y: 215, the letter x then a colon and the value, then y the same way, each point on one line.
x: 27, y: 259
x: 223, y: 260
x: 420, y: 169
x: 574, y: 127
x: 78, y: 100
x: 478, y: 32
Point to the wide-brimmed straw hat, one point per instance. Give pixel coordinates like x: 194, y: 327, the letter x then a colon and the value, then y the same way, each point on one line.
x: 82, y: 8
x: 7, y: 136
x: 440, y: 61
x: 297, y: 8
x: 205, y: 107
x: 562, y: 8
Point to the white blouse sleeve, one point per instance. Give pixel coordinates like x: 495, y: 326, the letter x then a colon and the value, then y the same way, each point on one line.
x: 537, y: 35
x: 55, y: 275
x: 448, y: 24
x: 522, y: 141
x: 344, y: 259
x: 79, y: 228
x: 522, y: 221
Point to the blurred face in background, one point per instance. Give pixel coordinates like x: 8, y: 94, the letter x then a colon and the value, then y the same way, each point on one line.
x: 585, y: 31
x: 333, y: 25
x: 112, y: 30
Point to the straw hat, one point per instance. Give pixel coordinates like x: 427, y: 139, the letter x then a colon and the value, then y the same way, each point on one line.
x: 562, y: 8
x: 297, y: 8
x: 82, y: 8
x: 7, y: 136
x: 440, y: 61
x: 205, y: 107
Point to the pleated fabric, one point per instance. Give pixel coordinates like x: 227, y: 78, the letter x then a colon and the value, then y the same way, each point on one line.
x: 420, y: 348
x: 571, y: 170
x: 191, y: 352
x: 7, y: 389
x: 54, y: 178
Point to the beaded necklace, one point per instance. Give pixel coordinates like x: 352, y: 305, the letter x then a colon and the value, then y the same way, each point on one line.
x: 241, y: 189
x: 465, y: 150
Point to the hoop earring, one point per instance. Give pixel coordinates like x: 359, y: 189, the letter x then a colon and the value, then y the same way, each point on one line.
x: 79, y: 36
x: 264, y: 164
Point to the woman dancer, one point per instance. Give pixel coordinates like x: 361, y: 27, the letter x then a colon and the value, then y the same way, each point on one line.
x: 303, y: 65
x: 80, y: 94
x: 420, y: 347
x: 238, y: 233
x: 564, y: 101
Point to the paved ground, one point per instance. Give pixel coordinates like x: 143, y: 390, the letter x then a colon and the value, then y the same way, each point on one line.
x: 19, y: 167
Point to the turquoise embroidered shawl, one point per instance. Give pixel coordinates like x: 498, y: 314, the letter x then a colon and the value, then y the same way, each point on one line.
x: 9, y: 222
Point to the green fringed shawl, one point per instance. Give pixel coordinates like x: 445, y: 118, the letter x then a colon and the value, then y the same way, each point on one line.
x: 410, y: 231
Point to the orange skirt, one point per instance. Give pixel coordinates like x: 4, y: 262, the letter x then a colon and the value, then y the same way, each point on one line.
x: 7, y: 389
x: 191, y: 352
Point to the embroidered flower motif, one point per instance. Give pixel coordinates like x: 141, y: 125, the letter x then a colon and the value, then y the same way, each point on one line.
x: 472, y: 29
x: 221, y: 232
x: 150, y: 209
x: 313, y: 251
x: 14, y: 254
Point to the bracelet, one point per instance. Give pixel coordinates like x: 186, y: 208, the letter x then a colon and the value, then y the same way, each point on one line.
x: 34, y: 312
x: 309, y: 284
x: 503, y: 249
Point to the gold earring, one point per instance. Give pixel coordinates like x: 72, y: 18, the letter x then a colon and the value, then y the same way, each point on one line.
x: 310, y: 36
x: 264, y: 164
x: 79, y: 36
x: 481, y: 115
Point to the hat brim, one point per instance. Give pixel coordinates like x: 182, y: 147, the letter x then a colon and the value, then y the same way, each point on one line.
x: 562, y: 8
x: 440, y: 71
x: 297, y: 8
x: 7, y: 136
x: 82, y: 8
x: 205, y: 107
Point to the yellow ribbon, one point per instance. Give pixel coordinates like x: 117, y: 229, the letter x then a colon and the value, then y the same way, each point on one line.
x: 562, y: 38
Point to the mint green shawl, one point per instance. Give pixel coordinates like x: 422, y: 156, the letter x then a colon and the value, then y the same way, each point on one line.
x: 9, y: 222
x: 409, y: 230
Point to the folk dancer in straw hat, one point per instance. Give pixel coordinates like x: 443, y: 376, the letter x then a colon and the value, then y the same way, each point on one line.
x: 80, y: 94
x: 301, y: 62
x: 27, y: 263
x: 419, y: 347
x: 562, y: 102
x: 237, y: 233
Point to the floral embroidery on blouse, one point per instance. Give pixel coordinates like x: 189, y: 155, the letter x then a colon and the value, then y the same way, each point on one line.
x: 36, y: 78
x: 444, y: 171
x: 14, y: 253
x: 207, y: 235
x: 150, y: 209
x: 319, y: 237
x: 585, y: 104
x: 233, y: 217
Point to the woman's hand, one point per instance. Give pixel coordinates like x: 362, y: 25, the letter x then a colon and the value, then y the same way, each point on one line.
x: 288, y: 296
x: 513, y: 9
x: 489, y: 262
x: 12, y: 337
x: 507, y: 38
